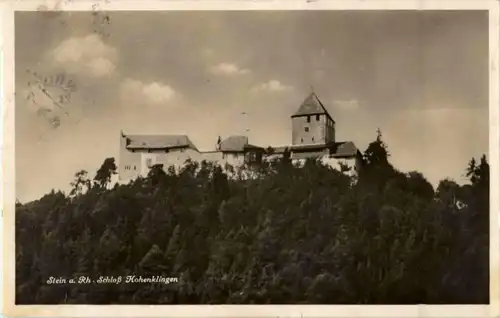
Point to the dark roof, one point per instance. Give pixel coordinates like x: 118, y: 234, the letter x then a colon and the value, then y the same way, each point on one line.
x: 312, y: 106
x: 344, y: 149
x: 234, y: 143
x: 158, y: 141
x: 309, y: 154
x: 309, y: 147
x: 281, y: 149
x: 254, y: 147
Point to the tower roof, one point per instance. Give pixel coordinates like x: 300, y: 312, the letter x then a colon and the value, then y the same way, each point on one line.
x: 312, y: 106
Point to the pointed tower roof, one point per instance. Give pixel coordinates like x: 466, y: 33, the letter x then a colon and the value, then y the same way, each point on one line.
x: 312, y: 106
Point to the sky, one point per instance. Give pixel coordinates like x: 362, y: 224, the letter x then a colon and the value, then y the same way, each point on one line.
x: 420, y: 76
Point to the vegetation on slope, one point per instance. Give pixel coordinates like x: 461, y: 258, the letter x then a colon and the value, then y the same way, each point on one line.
x: 293, y: 235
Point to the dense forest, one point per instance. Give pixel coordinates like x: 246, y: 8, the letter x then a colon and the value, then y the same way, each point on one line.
x: 290, y: 235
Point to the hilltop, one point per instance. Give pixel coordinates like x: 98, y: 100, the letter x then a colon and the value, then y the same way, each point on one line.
x: 306, y: 235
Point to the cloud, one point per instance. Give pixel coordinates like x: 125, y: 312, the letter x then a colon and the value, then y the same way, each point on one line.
x: 228, y: 69
x: 87, y: 55
x: 100, y: 67
x: 272, y: 86
x: 154, y: 93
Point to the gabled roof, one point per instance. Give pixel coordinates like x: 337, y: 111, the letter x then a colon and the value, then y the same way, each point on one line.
x: 234, y: 143
x: 158, y: 141
x: 344, y: 149
x: 312, y: 106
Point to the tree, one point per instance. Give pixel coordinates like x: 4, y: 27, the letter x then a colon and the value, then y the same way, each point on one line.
x: 479, y: 176
x: 376, y: 170
x: 286, y: 156
x: 418, y: 185
x: 157, y: 175
x: 448, y: 191
x: 103, y: 175
x: 81, y: 184
x: 483, y: 173
x: 344, y: 167
x: 471, y: 171
x: 293, y: 235
x: 377, y: 154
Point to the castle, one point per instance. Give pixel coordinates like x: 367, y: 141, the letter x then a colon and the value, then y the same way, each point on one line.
x: 313, y: 135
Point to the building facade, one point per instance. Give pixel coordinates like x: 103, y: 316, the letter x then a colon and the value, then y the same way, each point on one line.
x: 313, y: 135
x: 312, y: 124
x: 138, y: 153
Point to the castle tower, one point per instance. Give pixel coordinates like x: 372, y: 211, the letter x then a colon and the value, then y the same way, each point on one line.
x: 312, y: 124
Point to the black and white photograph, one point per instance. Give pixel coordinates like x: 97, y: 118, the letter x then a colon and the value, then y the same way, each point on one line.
x: 252, y: 157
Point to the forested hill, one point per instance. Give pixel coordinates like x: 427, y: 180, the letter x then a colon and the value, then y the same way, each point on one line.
x: 293, y: 236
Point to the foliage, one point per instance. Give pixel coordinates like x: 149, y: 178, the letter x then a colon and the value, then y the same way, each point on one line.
x: 291, y: 235
x: 103, y: 175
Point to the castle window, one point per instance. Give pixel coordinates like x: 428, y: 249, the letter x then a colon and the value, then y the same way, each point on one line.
x: 134, y: 167
x: 306, y: 129
x: 308, y: 119
x: 312, y: 139
x: 301, y: 139
x: 317, y: 117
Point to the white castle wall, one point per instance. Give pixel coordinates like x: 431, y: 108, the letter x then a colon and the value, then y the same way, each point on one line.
x: 139, y: 162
